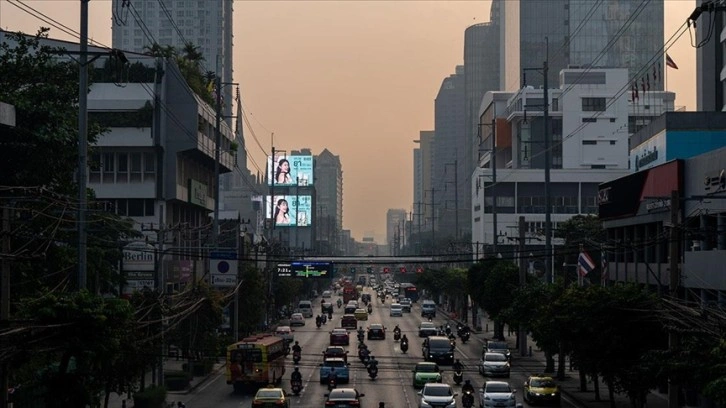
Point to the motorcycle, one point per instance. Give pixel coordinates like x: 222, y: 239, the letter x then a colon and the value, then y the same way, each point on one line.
x: 467, y: 399
x: 370, y: 308
x: 404, y: 346
x: 361, y: 337
x: 296, y: 387
x: 464, y: 337
x: 340, y: 304
x: 318, y: 323
x: 396, y: 335
x: 332, y: 383
x: 330, y: 315
x: 364, y: 355
x: 373, y: 371
x: 324, y: 318
x: 447, y: 330
x: 458, y: 377
x: 296, y: 357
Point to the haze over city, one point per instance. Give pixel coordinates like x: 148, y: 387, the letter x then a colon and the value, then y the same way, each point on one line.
x: 356, y: 77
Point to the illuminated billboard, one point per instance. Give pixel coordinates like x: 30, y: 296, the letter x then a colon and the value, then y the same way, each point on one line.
x: 290, y: 170
x: 289, y: 210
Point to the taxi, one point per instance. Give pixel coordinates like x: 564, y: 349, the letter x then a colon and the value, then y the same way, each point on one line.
x: 541, y: 389
x: 271, y: 397
x: 361, y: 314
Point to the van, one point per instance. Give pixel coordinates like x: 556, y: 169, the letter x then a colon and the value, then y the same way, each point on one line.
x: 438, y: 349
x: 306, y: 308
x: 428, y: 308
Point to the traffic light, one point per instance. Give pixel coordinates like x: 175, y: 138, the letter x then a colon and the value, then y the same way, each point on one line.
x: 352, y: 269
x: 386, y: 270
x: 403, y: 269
x: 369, y: 269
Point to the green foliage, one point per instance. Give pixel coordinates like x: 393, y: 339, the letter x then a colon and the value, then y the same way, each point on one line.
x: 585, y: 230
x: 252, y: 302
x: 151, y: 397
x: 533, y: 306
x: 286, y: 290
x: 189, y: 63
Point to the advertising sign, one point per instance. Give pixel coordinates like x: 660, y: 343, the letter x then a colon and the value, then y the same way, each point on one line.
x: 290, y: 170
x: 289, y: 210
x: 223, y: 268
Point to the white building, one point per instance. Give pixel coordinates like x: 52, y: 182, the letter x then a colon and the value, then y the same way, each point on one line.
x: 591, y: 116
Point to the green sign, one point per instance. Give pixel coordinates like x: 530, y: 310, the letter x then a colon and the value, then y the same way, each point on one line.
x: 369, y: 269
x: 352, y: 269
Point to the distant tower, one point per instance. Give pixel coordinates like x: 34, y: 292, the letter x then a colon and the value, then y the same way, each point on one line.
x: 206, y: 24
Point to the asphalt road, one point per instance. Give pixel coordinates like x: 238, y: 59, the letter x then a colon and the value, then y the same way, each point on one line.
x: 394, y: 383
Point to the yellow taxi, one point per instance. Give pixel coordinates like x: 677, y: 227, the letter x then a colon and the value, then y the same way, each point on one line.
x: 270, y: 397
x: 361, y: 314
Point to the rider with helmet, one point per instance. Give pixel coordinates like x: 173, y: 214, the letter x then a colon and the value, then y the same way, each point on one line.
x: 296, y: 375
x: 467, y: 387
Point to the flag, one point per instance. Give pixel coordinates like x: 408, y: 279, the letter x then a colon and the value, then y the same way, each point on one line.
x: 655, y: 75
x: 604, y: 267
x: 633, y: 92
x: 585, y: 264
x: 647, y: 80
x: 642, y: 84
x: 635, y: 86
x: 670, y: 62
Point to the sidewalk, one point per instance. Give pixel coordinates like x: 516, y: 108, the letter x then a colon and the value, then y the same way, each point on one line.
x: 570, y: 386
x: 170, y: 364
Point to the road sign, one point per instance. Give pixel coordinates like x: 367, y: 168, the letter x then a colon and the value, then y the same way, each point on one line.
x: 402, y: 269
x: 223, y: 268
x: 419, y: 269
x: 386, y: 270
x: 284, y: 270
x: 302, y: 269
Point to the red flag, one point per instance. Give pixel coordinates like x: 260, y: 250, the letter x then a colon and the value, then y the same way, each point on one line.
x: 670, y: 62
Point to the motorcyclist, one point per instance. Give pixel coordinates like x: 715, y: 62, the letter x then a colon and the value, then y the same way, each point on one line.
x: 458, y: 367
x: 296, y: 348
x: 330, y: 314
x: 296, y: 376
x: 397, y: 330
x: 340, y: 303
x: 332, y: 375
x: 318, y: 320
x: 467, y: 387
x: 361, y: 332
x: 404, y: 339
x: 372, y: 363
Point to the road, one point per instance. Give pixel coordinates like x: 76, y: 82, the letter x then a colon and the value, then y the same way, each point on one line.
x: 394, y: 383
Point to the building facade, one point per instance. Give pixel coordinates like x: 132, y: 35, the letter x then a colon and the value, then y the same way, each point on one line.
x: 329, y: 202
x: 395, y: 228
x: 207, y: 24
x: 451, y: 157
x: 577, y: 33
x: 710, y: 64
x: 423, y: 172
x: 589, y: 144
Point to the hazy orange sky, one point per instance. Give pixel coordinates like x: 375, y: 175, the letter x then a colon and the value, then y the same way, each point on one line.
x: 356, y: 77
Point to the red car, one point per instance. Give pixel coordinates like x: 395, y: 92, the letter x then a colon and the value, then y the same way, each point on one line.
x: 349, y: 322
x: 339, y: 337
x: 336, y: 351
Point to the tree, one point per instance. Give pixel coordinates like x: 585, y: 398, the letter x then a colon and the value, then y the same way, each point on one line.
x: 584, y: 231
x: 492, y: 282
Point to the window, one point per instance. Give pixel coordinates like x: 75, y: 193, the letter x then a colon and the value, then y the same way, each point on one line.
x: 94, y: 165
x: 149, y: 167
x: 122, y: 170
x: 612, y: 143
x: 589, y: 120
x: 589, y: 142
x: 612, y: 120
x: 135, y: 168
x: 555, y: 104
x: 593, y: 104
x: 109, y: 168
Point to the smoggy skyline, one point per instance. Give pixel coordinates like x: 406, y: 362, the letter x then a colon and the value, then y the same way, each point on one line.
x: 356, y: 77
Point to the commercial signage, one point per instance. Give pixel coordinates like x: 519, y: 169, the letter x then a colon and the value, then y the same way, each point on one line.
x: 198, y: 193
x: 223, y: 268
x: 284, y: 270
x: 179, y: 271
x: 715, y: 182
x: 635, y: 193
x: 138, y: 256
x: 650, y: 153
x: 289, y: 210
x: 294, y: 170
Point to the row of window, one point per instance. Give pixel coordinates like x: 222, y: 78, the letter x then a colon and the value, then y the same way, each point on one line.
x: 122, y: 167
x: 595, y: 142
x: 131, y: 207
x: 536, y: 205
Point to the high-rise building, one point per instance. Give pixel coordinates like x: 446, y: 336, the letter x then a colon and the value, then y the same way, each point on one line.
x: 423, y: 165
x: 450, y: 153
x: 710, y: 85
x: 395, y: 229
x: 328, y: 202
x: 577, y: 33
x: 207, y: 24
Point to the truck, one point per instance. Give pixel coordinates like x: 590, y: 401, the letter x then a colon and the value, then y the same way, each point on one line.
x: 349, y: 293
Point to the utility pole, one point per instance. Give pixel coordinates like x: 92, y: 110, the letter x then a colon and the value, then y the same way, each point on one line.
x: 548, y: 164
x: 82, y: 147
x: 433, y: 221
x: 217, y: 148
x: 456, y: 195
x: 673, y: 283
x: 494, y: 185
x: 5, y: 301
x: 418, y: 240
x: 522, y: 335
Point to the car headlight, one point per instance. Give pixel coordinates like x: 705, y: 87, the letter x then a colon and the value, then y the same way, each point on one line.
x: 425, y: 403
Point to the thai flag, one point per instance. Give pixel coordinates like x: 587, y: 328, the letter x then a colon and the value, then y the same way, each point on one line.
x: 585, y: 263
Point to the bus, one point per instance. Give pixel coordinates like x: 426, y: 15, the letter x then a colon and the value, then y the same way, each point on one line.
x: 349, y: 293
x: 409, y: 290
x: 256, y: 360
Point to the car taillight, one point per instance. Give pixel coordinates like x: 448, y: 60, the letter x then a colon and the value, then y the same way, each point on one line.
x: 329, y: 402
x: 279, y: 402
x: 256, y: 402
x: 354, y: 403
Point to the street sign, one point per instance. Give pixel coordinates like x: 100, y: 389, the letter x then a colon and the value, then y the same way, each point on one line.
x: 302, y: 269
x: 386, y: 270
x: 223, y: 268
x: 419, y: 269
x: 284, y: 270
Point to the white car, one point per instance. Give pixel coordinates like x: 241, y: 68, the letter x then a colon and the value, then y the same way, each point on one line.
x: 297, y: 319
x: 396, y: 310
x: 494, y: 365
x: 497, y: 394
x: 437, y: 395
x: 327, y: 294
x: 405, y: 304
x: 286, y: 333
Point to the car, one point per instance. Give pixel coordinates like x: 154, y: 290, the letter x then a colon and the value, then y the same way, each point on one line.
x: 339, y: 337
x: 361, y: 314
x: 406, y: 305
x: 376, y: 332
x: 494, y: 365
x: 348, y: 321
x: 541, y: 389
x: 497, y: 394
x: 396, y: 310
x: 336, y: 351
x: 493, y: 346
x: 297, y: 319
x: 273, y: 397
x: 438, y: 349
x: 343, y: 398
x: 286, y: 333
x: 350, y: 309
x: 326, y: 307
x: 437, y: 395
x: 428, y: 309
x: 337, y: 365
x: 425, y: 372
x: 327, y: 294
x: 426, y: 329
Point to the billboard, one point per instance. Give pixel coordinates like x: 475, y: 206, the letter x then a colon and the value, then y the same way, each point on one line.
x: 290, y: 170
x: 289, y: 210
